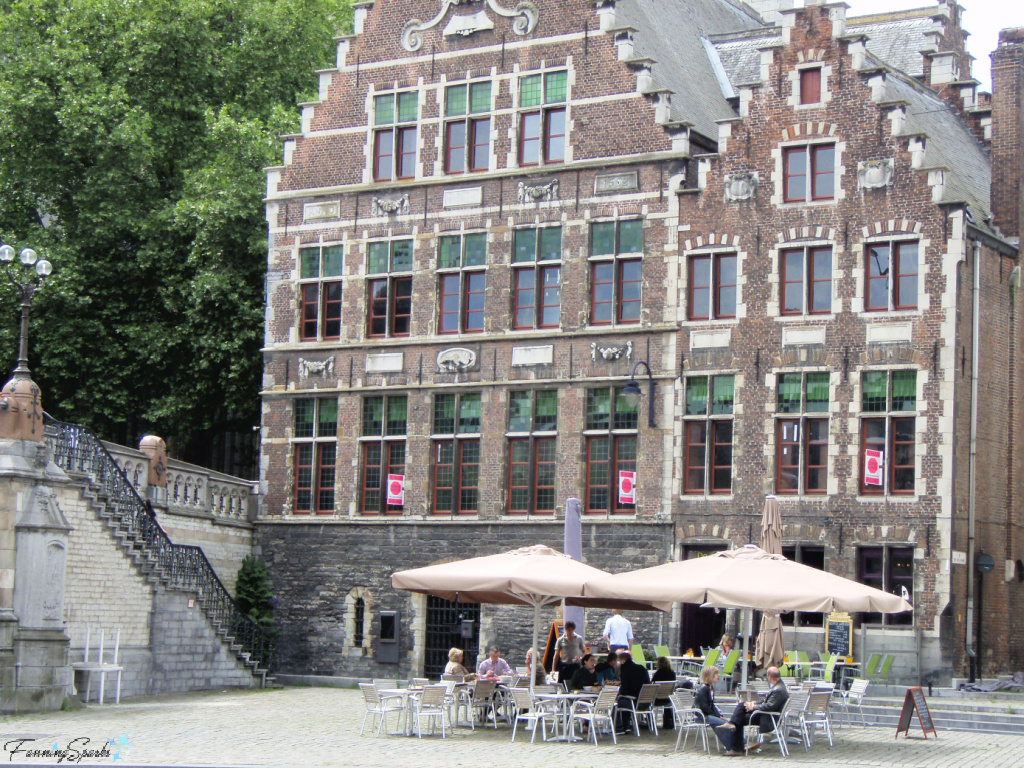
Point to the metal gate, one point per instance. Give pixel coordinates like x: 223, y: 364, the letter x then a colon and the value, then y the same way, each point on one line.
x: 444, y: 632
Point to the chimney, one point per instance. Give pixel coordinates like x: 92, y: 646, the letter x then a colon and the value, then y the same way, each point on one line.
x: 1007, y: 122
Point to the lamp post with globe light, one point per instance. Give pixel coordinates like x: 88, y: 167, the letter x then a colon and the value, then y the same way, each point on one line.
x: 633, y: 394
x: 36, y: 271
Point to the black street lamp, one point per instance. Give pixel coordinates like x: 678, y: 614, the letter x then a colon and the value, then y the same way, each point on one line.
x: 633, y: 394
x: 36, y: 272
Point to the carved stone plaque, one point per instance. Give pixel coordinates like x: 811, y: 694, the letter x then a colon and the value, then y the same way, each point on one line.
x: 614, y: 183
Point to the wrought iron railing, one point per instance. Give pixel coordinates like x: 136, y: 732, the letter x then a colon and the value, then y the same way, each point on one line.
x: 77, y: 449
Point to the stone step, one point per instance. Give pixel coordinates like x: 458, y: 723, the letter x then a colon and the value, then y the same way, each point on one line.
x: 979, y: 717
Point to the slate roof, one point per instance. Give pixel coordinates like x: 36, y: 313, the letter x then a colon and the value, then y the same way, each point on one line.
x: 896, y: 41
x: 670, y: 32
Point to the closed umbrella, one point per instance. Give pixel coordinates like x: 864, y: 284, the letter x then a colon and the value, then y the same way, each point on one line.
x: 771, y: 642
x: 536, y: 576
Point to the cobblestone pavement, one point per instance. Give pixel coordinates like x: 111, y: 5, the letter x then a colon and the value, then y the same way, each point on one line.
x: 320, y: 726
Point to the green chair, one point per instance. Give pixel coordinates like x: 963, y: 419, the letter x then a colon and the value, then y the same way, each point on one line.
x: 824, y: 657
x: 802, y: 656
x: 823, y: 671
x: 874, y: 660
x: 730, y: 665
x: 882, y: 675
x: 661, y: 650
x: 637, y: 652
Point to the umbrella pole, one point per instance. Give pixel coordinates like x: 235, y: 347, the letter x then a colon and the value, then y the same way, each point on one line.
x: 748, y: 614
x: 537, y: 655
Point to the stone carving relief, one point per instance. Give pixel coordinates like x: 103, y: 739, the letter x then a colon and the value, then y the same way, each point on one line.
x: 610, y: 353
x: 612, y: 183
x: 456, y: 360
x: 524, y: 16
x: 382, y: 206
x: 740, y: 186
x: 537, y: 193
x: 53, y: 580
x: 875, y: 174
x: 309, y: 368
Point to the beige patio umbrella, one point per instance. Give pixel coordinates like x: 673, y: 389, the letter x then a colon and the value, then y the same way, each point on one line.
x: 536, y: 576
x: 771, y: 642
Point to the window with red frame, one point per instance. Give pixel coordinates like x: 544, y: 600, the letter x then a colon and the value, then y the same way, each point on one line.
x: 809, y: 173
x: 810, y: 85
x: 460, y: 265
x: 533, y: 459
x: 892, y: 275
x: 712, y: 281
x: 467, y: 127
x: 542, y: 125
x: 611, y: 444
x: 802, y: 406
x: 394, y: 135
x: 537, y: 277
x: 384, y: 427
x: 889, y: 425
x: 389, y: 288
x: 456, y: 454
x: 615, y: 271
x: 320, y: 269
x: 315, y: 443
x: 890, y: 569
x: 707, y: 433
x: 806, y: 280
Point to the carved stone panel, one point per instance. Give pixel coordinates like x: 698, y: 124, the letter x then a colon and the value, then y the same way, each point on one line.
x: 524, y: 20
x: 456, y: 360
x: 537, y: 193
x: 741, y: 186
x: 875, y: 174
x: 383, y: 206
x: 611, y: 352
x: 323, y: 368
x: 615, y: 183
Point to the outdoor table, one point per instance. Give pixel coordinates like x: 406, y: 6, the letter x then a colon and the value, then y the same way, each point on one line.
x: 687, y: 663
x: 404, y: 694
x: 843, y: 666
x: 565, y: 702
x: 801, y: 667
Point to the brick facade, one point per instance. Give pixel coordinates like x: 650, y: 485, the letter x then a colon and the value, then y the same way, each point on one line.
x: 698, y: 145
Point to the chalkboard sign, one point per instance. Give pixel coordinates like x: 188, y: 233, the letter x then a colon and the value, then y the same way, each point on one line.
x: 915, y: 702
x: 838, y: 633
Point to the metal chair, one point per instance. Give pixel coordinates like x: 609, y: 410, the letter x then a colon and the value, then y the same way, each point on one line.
x: 642, y: 707
x: 378, y: 706
x: 687, y: 719
x: 433, y: 705
x: 853, y: 697
x: 532, y: 711
x: 778, y: 720
x: 595, y: 713
x: 816, y: 715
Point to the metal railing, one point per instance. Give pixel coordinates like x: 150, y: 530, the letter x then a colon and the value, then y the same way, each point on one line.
x: 77, y: 449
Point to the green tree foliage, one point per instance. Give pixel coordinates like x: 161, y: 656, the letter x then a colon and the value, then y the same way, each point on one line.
x: 133, y: 137
x: 252, y: 591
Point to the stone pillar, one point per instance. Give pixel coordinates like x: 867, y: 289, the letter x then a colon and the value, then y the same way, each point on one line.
x: 156, y: 450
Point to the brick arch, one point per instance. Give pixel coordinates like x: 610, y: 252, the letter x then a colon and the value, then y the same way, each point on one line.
x: 796, y: 234
x: 705, y: 533
x: 802, y: 533
x: 811, y: 56
x: 711, y: 239
x: 893, y: 226
x: 808, y: 129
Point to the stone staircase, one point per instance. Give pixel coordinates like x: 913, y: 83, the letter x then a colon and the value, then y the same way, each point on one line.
x: 167, y: 566
x: 950, y: 710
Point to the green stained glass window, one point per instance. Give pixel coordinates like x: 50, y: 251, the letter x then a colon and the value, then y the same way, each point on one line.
x: 555, y: 87
x: 377, y: 258
x: 309, y: 260
x: 469, y: 413
x: 304, y: 417
x: 519, y: 404
x: 444, y: 414
x: 384, y: 109
x: 396, y: 416
x: 407, y: 103
x: 455, y: 101
x: 401, y: 255
x: 373, y: 416
x: 873, y: 386
x: 530, y: 91
x: 599, y: 409
x: 904, y: 390
x: 789, y: 393
x: 817, y: 392
x: 525, y: 245
x: 696, y: 396
x: 450, y: 252
x: 722, y: 394
x: 480, y: 97
x: 631, y: 236
x: 625, y: 414
x: 602, y: 238
x: 333, y: 260
x: 327, y: 418
x: 547, y: 410
x: 550, y: 244
x: 476, y: 250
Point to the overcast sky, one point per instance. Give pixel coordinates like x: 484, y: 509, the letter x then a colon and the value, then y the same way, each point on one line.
x: 982, y: 18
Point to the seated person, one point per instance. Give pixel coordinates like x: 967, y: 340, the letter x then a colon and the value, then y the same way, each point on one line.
x: 584, y: 678
x: 704, y: 698
x: 540, y: 675
x: 454, y: 665
x: 748, y: 713
x: 724, y: 649
x: 663, y: 672
x: 632, y: 678
x: 568, y: 651
x: 493, y: 666
x: 608, y: 670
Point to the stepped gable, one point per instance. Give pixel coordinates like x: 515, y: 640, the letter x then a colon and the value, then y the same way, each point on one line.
x: 897, y: 38
x: 670, y: 32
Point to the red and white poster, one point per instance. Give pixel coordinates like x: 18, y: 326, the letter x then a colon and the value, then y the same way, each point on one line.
x: 874, y: 467
x: 627, y: 487
x: 396, y: 490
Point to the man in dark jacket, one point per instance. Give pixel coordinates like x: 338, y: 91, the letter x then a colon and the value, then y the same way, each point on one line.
x: 747, y: 713
x: 633, y: 677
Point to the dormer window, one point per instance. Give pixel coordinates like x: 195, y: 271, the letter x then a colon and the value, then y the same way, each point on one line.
x: 810, y: 85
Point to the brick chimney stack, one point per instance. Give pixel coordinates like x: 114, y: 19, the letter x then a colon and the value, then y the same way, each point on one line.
x: 1007, y: 128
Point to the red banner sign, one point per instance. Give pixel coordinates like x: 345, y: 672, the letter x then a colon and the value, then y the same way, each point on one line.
x: 627, y: 487
x: 396, y: 490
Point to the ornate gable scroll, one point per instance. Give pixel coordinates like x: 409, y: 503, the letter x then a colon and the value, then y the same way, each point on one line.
x: 525, y: 16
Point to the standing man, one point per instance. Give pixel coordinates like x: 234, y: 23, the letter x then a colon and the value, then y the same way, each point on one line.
x: 747, y: 713
x: 569, y: 650
x: 618, y: 632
